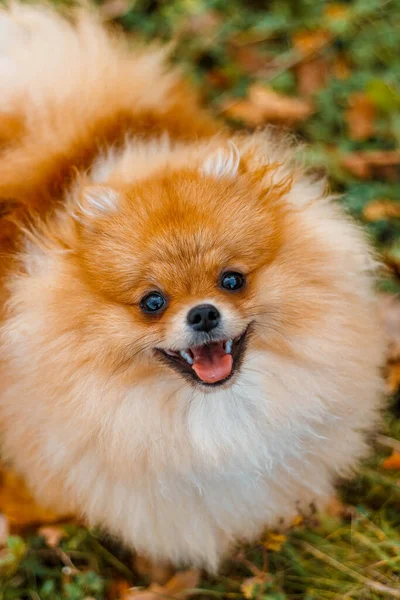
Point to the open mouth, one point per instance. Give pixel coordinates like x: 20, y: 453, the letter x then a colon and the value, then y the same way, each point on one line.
x: 210, y: 364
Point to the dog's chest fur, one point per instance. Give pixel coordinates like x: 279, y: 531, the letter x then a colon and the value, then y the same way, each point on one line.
x: 180, y: 473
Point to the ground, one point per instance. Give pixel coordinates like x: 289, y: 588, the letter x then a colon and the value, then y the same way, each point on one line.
x: 330, y: 72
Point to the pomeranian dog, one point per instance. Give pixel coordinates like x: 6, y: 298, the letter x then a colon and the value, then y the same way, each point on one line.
x: 189, y: 343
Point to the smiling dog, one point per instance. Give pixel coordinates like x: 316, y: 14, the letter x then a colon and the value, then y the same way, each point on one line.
x: 189, y: 343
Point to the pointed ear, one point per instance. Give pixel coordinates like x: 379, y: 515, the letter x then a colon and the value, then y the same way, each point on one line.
x: 224, y: 162
x: 97, y: 200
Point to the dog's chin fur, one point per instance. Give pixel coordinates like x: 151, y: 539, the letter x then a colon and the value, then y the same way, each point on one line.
x: 162, y: 199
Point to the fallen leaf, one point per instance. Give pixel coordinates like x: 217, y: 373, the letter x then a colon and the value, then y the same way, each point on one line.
x: 264, y: 105
x: 356, y: 164
x: 183, y: 581
x: 156, y: 572
x: 360, y: 116
x: 336, y: 11
x: 311, y: 76
x: 383, y: 157
x: 381, y: 209
x: 392, y: 462
x: 274, y: 541
x: 52, y: 535
x: 251, y: 60
x: 244, y: 111
x: 17, y: 504
x: 278, y: 107
x: 180, y: 586
x: 365, y: 165
x: 308, y: 42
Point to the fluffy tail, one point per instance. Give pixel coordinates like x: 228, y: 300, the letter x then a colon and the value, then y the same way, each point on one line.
x: 67, y: 88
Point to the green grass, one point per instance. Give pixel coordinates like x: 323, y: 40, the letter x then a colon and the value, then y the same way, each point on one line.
x: 355, y: 555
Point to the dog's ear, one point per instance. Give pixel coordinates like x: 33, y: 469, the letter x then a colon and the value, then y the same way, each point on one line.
x: 96, y: 201
x: 223, y: 162
x: 275, y: 164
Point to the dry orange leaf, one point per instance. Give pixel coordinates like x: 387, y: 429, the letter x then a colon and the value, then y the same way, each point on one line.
x: 392, y: 462
x: 180, y: 586
x: 52, y: 534
x: 307, y: 42
x: 244, y: 111
x: 383, y: 158
x: 357, y: 165
x: 17, y: 505
x: 336, y: 11
x: 278, y: 107
x: 156, y: 572
x: 366, y: 164
x: 360, y: 116
x: 381, y: 209
x: 264, y: 105
x: 250, y: 59
x: 183, y: 581
x: 311, y: 75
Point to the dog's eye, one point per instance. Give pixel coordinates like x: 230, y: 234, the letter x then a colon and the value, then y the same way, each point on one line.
x: 153, y: 303
x: 232, y: 281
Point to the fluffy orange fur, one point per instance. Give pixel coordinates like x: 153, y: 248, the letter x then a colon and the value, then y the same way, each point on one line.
x: 124, y: 186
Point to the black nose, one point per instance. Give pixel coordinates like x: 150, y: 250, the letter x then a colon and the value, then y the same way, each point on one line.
x: 203, y: 317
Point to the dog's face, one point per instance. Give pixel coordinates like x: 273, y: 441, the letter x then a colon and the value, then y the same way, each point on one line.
x: 186, y: 256
x: 182, y: 275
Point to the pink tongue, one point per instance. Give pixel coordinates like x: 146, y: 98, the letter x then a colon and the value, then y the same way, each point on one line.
x: 211, y: 363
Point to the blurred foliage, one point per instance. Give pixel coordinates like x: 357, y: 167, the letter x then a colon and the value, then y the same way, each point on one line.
x: 336, y: 68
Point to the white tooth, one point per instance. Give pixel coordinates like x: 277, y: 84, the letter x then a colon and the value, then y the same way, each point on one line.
x: 186, y: 356
x: 228, y: 346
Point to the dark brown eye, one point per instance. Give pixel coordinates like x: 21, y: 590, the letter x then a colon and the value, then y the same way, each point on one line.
x: 153, y: 303
x: 232, y: 282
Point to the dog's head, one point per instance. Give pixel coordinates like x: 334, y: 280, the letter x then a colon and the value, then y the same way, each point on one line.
x: 194, y: 257
x: 181, y: 261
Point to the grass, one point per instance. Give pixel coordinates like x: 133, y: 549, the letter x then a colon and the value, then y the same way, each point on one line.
x: 226, y: 47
